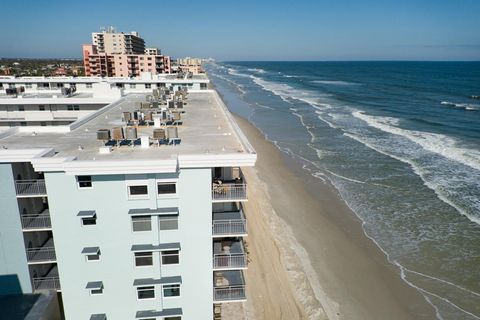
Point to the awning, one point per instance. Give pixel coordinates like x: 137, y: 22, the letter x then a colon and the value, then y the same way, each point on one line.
x: 164, y: 313
x: 87, y: 214
x: 154, y: 212
x: 94, y: 285
x: 91, y: 250
x: 160, y: 247
x: 163, y: 280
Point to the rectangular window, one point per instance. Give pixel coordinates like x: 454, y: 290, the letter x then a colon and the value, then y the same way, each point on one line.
x: 76, y: 107
x: 172, y: 290
x: 88, y: 85
x: 41, y: 108
x: 21, y: 108
x: 173, y: 318
x: 146, y: 293
x: 148, y: 86
x: 132, y: 85
x: 168, y: 222
x: 170, y: 257
x: 88, y: 221
x: 43, y: 124
x: 141, y: 223
x: 143, y: 259
x: 166, y: 188
x: 70, y: 107
x: 28, y: 85
x: 84, y: 181
x: 96, y: 291
x: 93, y: 256
x: 141, y: 190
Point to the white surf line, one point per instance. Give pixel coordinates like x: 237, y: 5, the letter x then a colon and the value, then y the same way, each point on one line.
x: 443, y: 281
x: 418, y: 172
x: 437, y: 296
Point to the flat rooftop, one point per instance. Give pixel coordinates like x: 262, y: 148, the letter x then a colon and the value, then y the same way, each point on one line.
x: 207, y: 128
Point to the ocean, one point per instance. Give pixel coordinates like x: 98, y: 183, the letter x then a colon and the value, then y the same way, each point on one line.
x: 401, y: 143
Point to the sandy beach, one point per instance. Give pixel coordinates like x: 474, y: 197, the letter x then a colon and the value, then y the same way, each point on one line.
x: 309, y: 257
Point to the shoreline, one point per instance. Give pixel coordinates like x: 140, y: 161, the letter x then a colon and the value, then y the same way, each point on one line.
x: 334, y: 269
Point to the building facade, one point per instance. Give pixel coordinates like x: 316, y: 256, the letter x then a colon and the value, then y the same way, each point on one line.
x: 110, y: 42
x: 127, y: 231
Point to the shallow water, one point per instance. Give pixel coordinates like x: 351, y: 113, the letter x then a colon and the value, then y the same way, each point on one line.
x: 401, y: 143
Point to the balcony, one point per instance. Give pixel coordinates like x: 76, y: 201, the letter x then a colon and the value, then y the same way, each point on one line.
x: 229, y: 191
x: 43, y: 254
x: 229, y: 254
x: 30, y: 188
x: 37, y: 222
x: 233, y: 224
x: 228, y: 286
x: 50, y: 281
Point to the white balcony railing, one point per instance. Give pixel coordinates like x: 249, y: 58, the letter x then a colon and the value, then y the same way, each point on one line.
x: 229, y: 227
x: 30, y: 188
x: 43, y: 254
x: 229, y: 261
x: 33, y: 221
x: 229, y: 192
x: 46, y: 283
x: 231, y: 293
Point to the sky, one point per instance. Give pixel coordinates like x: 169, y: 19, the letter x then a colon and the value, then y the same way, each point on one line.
x: 252, y: 30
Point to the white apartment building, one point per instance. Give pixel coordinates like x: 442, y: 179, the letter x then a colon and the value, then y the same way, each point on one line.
x: 125, y: 212
x: 42, y: 101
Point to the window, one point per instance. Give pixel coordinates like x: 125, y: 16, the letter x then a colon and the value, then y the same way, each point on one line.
x: 141, y: 223
x: 21, y: 108
x: 96, y: 291
x: 132, y: 85
x: 76, y: 107
x: 143, y: 259
x: 148, y: 86
x: 146, y: 293
x: 168, y: 222
x: 173, y: 318
x: 166, y: 188
x: 41, y: 108
x: 43, y: 124
x: 171, y: 290
x: 59, y: 85
x: 140, y: 190
x: 93, y: 256
x: 88, y: 85
x: 28, y: 85
x: 170, y: 257
x: 88, y: 221
x: 84, y: 181
x: 23, y: 124
x: 70, y: 107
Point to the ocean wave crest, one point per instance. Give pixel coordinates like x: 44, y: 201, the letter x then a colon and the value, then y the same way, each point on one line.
x: 434, y: 142
x: 465, y: 106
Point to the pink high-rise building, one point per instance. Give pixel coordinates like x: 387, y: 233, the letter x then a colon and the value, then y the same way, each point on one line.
x: 107, y: 63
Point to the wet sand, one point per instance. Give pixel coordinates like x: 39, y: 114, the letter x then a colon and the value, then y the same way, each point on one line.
x: 309, y: 257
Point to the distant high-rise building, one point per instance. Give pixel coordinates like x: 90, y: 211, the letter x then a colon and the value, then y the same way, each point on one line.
x: 114, y: 54
x: 111, y: 42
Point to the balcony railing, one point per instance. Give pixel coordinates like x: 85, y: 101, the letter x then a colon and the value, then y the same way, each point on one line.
x: 229, y: 192
x: 229, y: 227
x: 231, y: 293
x: 43, y: 254
x: 27, y: 188
x: 46, y: 283
x: 230, y: 261
x: 36, y: 221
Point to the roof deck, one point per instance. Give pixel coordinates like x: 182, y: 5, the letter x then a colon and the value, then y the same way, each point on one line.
x: 207, y: 129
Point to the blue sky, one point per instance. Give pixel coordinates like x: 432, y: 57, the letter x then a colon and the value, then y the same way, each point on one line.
x: 253, y: 30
